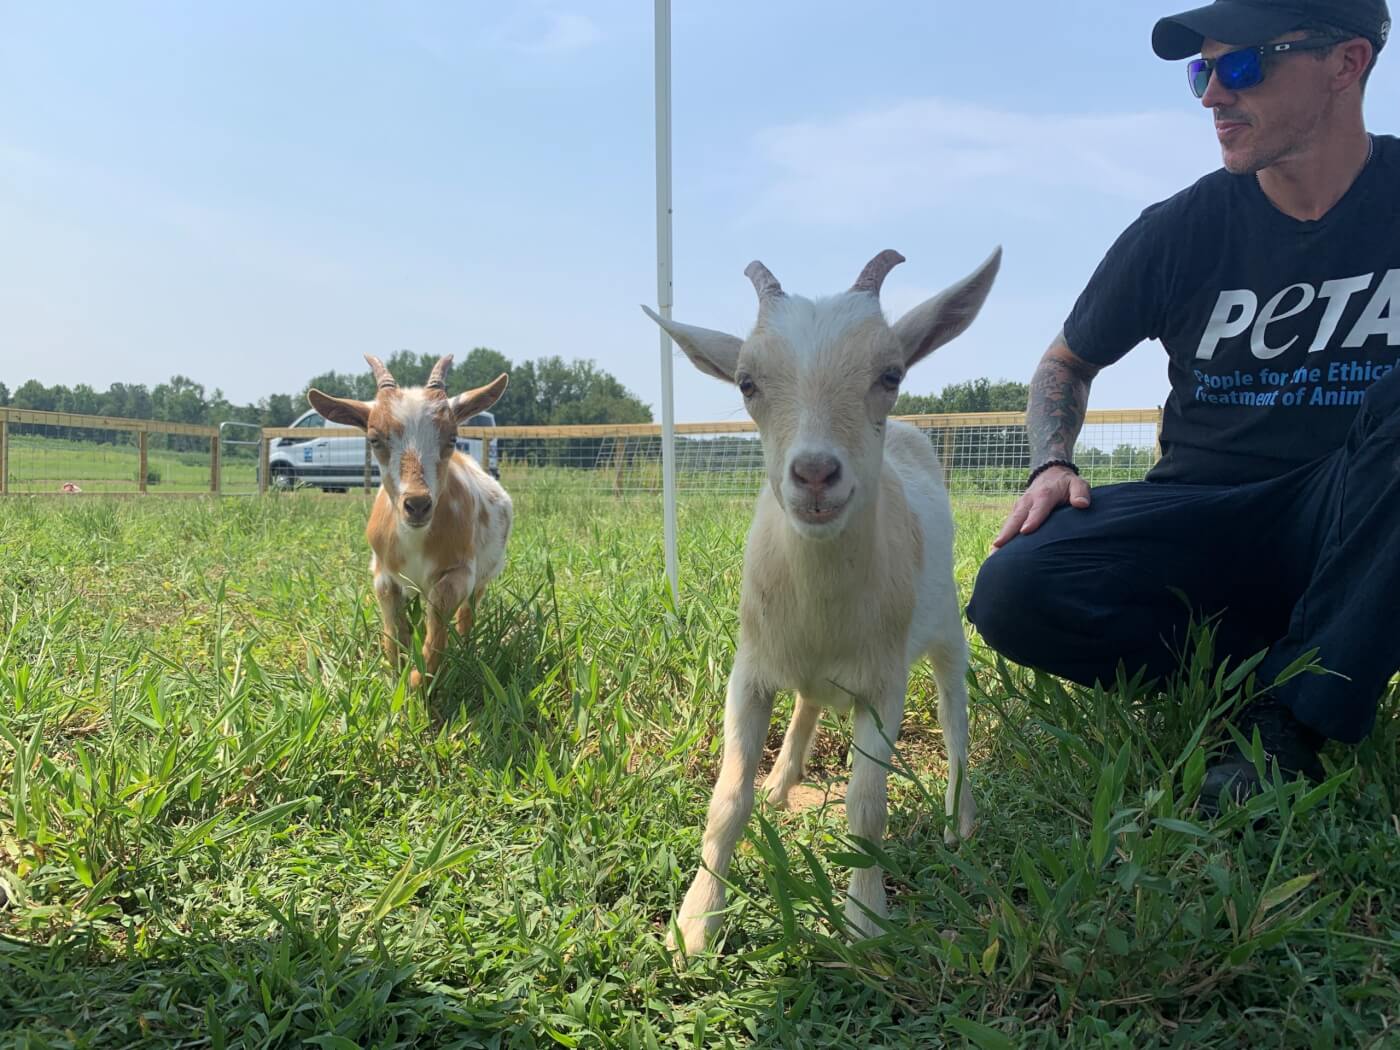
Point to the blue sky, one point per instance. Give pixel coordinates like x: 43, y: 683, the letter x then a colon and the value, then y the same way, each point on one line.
x: 252, y: 193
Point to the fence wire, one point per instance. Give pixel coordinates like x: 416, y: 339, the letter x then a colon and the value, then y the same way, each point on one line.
x: 239, y: 447
x: 980, y: 455
x: 985, y: 455
x: 77, y: 458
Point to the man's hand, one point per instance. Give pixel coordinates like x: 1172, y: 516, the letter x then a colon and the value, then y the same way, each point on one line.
x: 1056, y: 487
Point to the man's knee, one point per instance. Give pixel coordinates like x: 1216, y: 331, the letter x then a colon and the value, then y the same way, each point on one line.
x: 1037, y: 608
x: 1005, y: 606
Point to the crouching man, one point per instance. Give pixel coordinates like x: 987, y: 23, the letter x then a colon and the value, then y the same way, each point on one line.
x: 1274, y: 285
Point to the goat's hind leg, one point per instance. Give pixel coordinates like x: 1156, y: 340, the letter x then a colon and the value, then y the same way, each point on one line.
x: 948, y: 654
x: 791, y: 765
x: 443, y: 601
x: 466, y: 612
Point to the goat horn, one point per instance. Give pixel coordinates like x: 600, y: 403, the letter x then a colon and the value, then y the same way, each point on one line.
x: 876, y: 270
x: 438, y: 379
x: 382, y: 379
x: 764, y: 283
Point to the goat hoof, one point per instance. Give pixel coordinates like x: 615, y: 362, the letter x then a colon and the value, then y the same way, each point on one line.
x: 695, y: 934
x: 416, y: 680
x: 863, y: 925
x: 956, y: 836
x: 777, y: 787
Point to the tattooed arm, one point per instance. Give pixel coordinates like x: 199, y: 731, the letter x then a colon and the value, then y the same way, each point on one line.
x: 1059, y: 399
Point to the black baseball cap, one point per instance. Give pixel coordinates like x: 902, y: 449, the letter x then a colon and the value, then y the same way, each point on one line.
x: 1250, y: 22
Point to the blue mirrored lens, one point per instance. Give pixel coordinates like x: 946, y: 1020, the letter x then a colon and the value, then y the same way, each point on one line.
x: 1198, y: 76
x: 1240, y: 69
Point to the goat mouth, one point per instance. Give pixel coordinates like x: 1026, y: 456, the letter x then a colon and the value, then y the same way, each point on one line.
x: 417, y: 523
x: 819, y: 514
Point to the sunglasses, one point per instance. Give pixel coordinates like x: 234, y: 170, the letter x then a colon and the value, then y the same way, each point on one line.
x: 1238, y: 70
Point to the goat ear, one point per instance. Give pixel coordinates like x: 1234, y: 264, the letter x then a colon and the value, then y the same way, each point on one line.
x: 464, y: 406
x: 340, y: 409
x: 947, y: 315
x: 714, y: 353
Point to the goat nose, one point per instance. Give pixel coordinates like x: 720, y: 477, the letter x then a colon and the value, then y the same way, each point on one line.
x: 816, y: 470
x: 417, y: 506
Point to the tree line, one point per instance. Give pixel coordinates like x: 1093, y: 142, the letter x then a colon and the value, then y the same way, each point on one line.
x: 546, y: 392
x: 549, y: 391
x: 975, y: 395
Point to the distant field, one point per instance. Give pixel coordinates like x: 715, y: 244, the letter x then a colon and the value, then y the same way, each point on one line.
x: 223, y: 823
x: 42, y: 464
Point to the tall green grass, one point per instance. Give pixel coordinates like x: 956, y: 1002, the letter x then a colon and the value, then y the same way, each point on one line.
x: 222, y: 823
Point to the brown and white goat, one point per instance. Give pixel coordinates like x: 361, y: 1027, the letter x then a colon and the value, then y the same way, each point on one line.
x: 440, y: 523
x: 848, y: 573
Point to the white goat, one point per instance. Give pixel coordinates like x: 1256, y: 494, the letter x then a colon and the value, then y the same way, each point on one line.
x: 440, y: 522
x: 848, y: 574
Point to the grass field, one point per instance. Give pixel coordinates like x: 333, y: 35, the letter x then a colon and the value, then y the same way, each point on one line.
x: 223, y: 824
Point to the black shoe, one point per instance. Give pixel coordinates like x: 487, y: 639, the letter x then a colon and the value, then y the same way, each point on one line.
x: 1289, y: 743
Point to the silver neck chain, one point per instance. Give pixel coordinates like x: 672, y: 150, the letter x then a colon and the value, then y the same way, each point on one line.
x: 1370, y: 153
x: 1370, y: 150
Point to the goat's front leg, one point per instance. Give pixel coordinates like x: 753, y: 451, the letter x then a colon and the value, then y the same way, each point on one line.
x: 867, y: 801
x: 747, y: 710
x: 398, y: 633
x: 446, y: 596
x: 792, y: 759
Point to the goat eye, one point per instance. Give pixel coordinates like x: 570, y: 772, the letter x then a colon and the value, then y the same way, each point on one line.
x: 891, y: 378
x: 747, y: 386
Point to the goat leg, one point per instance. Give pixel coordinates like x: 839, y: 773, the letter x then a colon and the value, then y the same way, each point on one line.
x: 747, y: 711
x: 788, y: 770
x: 443, y: 600
x: 867, y: 801
x: 398, y: 633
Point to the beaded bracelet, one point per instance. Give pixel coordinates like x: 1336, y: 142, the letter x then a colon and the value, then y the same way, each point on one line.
x: 1046, y: 466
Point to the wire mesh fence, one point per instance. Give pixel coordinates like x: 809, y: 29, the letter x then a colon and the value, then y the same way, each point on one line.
x: 51, y: 452
x: 984, y: 454
x: 989, y: 453
x: 239, y: 447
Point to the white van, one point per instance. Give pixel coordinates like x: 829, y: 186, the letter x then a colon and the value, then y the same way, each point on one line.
x: 335, y: 464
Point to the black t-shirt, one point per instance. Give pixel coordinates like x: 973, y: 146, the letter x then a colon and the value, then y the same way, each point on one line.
x: 1273, y: 327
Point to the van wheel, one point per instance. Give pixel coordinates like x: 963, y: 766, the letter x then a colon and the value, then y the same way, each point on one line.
x: 282, y: 476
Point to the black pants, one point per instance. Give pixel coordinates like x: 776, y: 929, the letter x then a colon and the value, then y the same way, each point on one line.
x: 1310, y: 560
